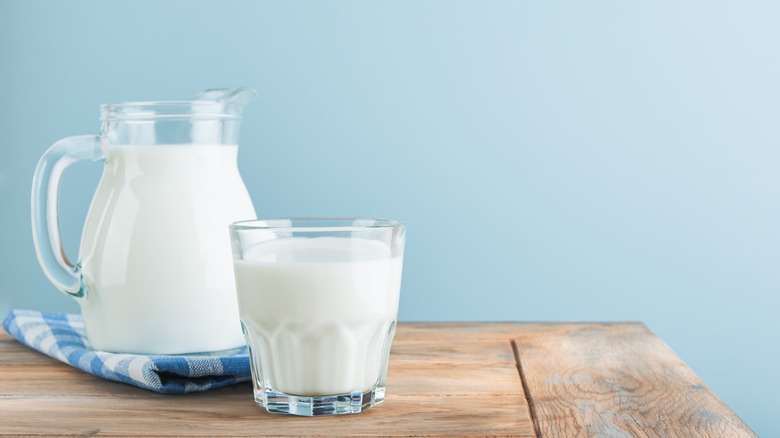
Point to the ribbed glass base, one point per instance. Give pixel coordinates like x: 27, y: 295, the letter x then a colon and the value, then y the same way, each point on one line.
x: 351, y: 403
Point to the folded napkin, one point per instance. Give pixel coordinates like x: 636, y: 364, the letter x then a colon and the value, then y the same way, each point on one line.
x: 62, y: 337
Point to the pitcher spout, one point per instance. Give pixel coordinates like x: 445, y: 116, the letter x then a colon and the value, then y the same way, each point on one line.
x: 238, y: 96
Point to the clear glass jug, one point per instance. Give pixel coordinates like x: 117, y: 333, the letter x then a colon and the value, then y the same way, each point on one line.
x: 155, y: 272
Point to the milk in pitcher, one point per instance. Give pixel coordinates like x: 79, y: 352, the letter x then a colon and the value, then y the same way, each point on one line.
x: 151, y: 259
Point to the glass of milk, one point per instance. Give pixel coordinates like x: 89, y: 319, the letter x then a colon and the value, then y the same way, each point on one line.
x: 318, y: 301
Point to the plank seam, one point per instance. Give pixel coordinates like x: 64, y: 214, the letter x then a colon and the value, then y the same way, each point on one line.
x: 526, y: 392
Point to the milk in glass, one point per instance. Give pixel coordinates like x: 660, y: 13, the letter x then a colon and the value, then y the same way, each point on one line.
x: 319, y: 312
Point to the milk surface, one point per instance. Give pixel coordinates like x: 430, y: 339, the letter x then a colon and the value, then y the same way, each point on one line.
x: 155, y: 252
x: 319, y: 312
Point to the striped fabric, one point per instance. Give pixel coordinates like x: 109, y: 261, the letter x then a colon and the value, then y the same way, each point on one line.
x: 62, y: 337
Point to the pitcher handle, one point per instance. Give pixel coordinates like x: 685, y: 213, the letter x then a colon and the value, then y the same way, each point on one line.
x: 45, y: 202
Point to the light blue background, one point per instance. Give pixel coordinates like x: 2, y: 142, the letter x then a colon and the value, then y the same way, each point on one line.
x: 596, y: 160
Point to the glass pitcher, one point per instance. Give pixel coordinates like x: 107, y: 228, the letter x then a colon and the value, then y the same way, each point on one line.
x: 155, y: 272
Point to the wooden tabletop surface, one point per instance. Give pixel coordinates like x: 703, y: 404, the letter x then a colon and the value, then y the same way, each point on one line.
x: 445, y: 379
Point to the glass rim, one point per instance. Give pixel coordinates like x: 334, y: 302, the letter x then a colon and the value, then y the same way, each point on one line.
x: 340, y: 224
x: 167, y: 109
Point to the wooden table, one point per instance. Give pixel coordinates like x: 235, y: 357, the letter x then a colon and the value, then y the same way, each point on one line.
x: 445, y: 379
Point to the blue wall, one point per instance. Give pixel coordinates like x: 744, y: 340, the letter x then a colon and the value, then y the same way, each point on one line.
x: 598, y: 160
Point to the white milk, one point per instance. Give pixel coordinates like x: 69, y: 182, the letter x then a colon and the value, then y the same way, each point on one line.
x: 156, y: 254
x: 319, y: 311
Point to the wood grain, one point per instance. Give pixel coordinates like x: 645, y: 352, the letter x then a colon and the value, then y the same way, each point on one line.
x: 436, y: 387
x: 616, y: 380
x: 445, y: 379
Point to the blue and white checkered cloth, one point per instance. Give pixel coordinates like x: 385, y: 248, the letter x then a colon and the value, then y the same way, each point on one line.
x: 62, y: 337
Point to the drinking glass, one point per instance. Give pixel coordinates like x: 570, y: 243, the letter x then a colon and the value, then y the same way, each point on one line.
x: 318, y: 303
